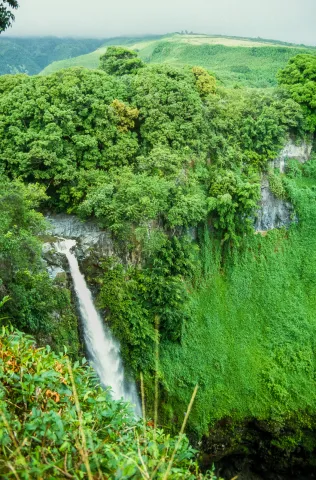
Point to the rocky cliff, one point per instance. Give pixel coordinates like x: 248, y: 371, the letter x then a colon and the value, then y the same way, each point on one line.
x: 274, y: 212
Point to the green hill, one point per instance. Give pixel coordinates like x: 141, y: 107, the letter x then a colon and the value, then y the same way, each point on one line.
x: 31, y: 55
x: 250, y: 62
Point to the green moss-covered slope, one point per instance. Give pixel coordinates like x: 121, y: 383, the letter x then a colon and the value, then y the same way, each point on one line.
x: 251, y: 341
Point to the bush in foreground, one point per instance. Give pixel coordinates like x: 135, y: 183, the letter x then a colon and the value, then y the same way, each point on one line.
x: 57, y: 422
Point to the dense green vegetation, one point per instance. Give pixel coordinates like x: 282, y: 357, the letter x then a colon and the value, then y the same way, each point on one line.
x: 234, y: 61
x: 299, y: 78
x: 37, y: 305
x: 120, y: 61
x: 170, y: 162
x: 56, y: 422
x: 250, y: 343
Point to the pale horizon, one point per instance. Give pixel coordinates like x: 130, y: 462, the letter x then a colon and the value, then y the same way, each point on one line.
x: 282, y: 20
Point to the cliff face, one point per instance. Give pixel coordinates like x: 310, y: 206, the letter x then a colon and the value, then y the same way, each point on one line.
x: 87, y: 234
x: 300, y: 152
x: 274, y: 212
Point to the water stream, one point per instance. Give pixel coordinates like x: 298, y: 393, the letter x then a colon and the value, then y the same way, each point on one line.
x: 103, y: 350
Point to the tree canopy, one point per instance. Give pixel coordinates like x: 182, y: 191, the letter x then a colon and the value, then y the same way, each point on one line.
x: 120, y: 61
x: 6, y: 15
x: 299, y: 78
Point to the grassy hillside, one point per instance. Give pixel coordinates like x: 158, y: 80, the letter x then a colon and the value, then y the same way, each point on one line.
x: 251, y: 339
x: 251, y: 62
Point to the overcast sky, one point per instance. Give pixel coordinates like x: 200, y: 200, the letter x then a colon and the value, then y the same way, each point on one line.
x: 289, y: 20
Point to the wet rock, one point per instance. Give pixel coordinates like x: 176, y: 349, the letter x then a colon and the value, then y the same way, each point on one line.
x: 273, y: 212
x: 88, y: 234
x: 55, y: 264
x: 301, y: 152
x: 55, y: 272
x: 52, y: 257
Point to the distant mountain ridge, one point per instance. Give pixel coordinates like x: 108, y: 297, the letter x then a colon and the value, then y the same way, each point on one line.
x: 243, y: 61
x: 31, y: 55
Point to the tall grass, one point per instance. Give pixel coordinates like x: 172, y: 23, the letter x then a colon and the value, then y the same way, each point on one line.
x: 251, y: 341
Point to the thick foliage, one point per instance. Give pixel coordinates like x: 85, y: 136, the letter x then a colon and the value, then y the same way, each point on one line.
x: 170, y: 107
x: 233, y: 198
x: 56, y: 422
x: 125, y: 199
x: 6, y: 15
x: 120, y: 61
x: 36, y: 305
x: 53, y: 126
x: 150, y: 156
x: 299, y: 78
x: 245, y: 131
x: 205, y: 82
x: 250, y: 343
x: 136, y: 298
x: 249, y: 129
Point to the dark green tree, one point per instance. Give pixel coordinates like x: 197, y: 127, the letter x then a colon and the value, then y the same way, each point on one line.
x: 34, y: 298
x: 299, y: 78
x: 6, y: 15
x: 120, y: 61
x: 76, y: 119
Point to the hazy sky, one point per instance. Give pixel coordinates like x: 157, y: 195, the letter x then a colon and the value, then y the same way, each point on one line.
x: 289, y: 20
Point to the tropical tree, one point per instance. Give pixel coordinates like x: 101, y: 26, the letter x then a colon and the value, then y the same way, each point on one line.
x: 6, y: 15
x: 51, y: 127
x: 299, y: 78
x: 120, y: 61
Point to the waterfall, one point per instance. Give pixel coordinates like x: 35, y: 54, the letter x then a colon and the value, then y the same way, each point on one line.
x: 103, y: 350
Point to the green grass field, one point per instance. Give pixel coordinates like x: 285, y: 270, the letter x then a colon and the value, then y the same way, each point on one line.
x: 247, y: 62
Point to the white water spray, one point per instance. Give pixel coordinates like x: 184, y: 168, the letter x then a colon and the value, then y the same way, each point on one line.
x: 102, y: 348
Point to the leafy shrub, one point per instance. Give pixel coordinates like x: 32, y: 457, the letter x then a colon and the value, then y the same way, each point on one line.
x: 171, y: 112
x: 293, y: 168
x: 205, y: 83
x: 120, y: 61
x: 276, y: 185
x: 309, y: 168
x: 299, y: 78
x: 56, y: 422
x: 232, y: 199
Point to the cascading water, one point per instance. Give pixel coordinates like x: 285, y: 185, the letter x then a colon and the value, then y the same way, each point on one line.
x: 102, y: 348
